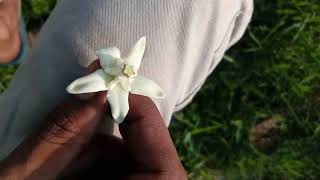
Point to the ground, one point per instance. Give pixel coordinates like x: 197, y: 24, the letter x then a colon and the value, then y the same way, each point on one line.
x: 257, y: 115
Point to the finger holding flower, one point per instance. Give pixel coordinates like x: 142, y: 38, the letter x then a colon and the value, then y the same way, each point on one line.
x: 119, y: 76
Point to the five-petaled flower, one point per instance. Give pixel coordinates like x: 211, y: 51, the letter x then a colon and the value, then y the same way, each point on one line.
x: 119, y: 76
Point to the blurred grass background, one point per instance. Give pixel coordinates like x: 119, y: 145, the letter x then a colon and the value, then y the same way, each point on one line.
x: 257, y: 116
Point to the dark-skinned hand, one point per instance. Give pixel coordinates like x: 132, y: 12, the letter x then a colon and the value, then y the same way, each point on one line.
x: 68, y: 147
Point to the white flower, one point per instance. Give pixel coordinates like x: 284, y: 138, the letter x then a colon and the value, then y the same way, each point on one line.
x: 119, y: 76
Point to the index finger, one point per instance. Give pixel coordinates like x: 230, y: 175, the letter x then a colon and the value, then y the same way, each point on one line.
x: 147, y: 136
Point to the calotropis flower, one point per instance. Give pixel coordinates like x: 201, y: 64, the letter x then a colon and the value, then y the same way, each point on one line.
x: 119, y: 76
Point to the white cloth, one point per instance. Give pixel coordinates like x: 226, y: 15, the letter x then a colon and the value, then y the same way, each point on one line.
x: 186, y: 39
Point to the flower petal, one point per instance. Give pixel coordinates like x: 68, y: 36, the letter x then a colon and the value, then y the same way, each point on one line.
x: 125, y: 84
x: 136, y: 54
x: 119, y: 103
x: 113, y: 83
x: 109, y: 53
x: 146, y: 87
x: 94, y: 82
x: 110, y: 60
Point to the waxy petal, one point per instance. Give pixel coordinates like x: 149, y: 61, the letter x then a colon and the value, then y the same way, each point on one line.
x: 118, y: 76
x: 125, y: 84
x: 146, y: 87
x: 119, y: 103
x: 95, y: 82
x: 109, y: 53
x: 110, y: 60
x: 136, y: 54
x: 114, y: 83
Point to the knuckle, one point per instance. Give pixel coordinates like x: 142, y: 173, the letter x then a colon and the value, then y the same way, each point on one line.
x: 10, y: 170
x: 62, y: 124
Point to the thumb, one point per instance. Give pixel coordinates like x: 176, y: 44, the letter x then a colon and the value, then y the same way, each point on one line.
x: 44, y: 155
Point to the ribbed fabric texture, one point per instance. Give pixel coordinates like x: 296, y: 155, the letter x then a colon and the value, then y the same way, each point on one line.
x: 186, y: 39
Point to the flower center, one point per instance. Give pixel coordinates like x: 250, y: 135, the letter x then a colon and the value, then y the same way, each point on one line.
x: 128, y: 71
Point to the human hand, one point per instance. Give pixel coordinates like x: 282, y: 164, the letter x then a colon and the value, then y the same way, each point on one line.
x: 69, y: 146
x: 145, y: 152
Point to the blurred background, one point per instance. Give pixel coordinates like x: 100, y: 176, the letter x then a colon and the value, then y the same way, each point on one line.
x: 263, y: 118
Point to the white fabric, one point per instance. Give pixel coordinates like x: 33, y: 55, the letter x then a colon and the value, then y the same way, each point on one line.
x: 186, y: 38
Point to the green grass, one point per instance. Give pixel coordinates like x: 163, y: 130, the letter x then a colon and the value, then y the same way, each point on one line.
x: 273, y: 73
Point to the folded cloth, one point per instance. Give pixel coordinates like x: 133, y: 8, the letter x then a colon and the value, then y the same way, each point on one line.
x: 186, y: 39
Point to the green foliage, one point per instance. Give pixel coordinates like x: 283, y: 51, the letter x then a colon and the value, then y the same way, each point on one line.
x: 36, y: 12
x: 6, y: 73
x: 273, y: 72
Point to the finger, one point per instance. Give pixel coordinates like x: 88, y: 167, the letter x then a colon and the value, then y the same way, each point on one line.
x: 93, y: 67
x: 105, y: 151
x: 147, y: 136
x: 46, y: 154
